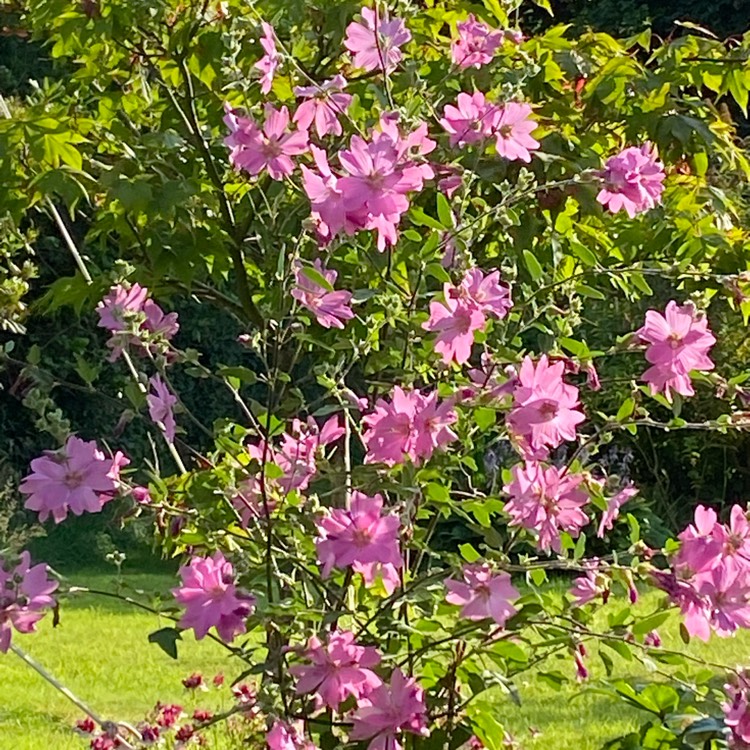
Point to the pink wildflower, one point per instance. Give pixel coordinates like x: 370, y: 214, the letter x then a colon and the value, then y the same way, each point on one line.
x: 737, y: 710
x: 476, y: 44
x: 545, y: 408
x: 193, y: 682
x: 161, y: 402
x: 323, y: 104
x: 120, y: 305
x: 632, y: 180
x: 270, y: 149
x: 483, y: 594
x: 375, y: 42
x: 76, y: 478
x: 25, y: 592
x: 86, y: 726
x: 587, y: 588
x: 269, y: 63
x: 283, y: 736
x: 410, y: 425
x: 512, y: 127
x: 339, y: 669
x: 469, y: 120
x: 168, y: 715
x: 389, y: 710
x: 211, y: 599
x: 331, y: 308
x: 360, y: 537
x: 546, y: 501
x: 679, y: 342
x: 612, y: 512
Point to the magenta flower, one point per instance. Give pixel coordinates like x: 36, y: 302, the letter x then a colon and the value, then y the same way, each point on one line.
x: 737, y: 710
x: 546, y: 501
x: 25, y: 592
x: 612, y: 512
x: 463, y: 312
x: 512, y: 127
x: 269, y: 63
x: 388, y: 711
x: 270, y: 148
x: 120, y: 306
x: 331, y: 308
x: 545, y: 408
x: 283, y: 736
x: 679, y: 342
x: 329, y: 207
x: 727, y: 592
x: 632, y: 180
x: 410, y: 425
x: 339, y: 669
x: 361, y: 537
x: 161, y: 403
x: 590, y: 586
x: 77, y: 478
x: 476, y: 44
x: 469, y: 120
x: 211, y: 598
x: 483, y: 594
x: 374, y: 43
x: 323, y: 104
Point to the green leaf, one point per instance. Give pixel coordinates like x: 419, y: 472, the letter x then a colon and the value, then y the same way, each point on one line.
x: 166, y: 639
x: 444, y: 211
x: 533, y: 265
x: 642, y: 627
x: 469, y: 553
x: 317, y: 277
x: 485, y: 417
x: 626, y: 409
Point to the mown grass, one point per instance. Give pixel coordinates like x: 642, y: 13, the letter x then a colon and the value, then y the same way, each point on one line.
x: 100, y: 651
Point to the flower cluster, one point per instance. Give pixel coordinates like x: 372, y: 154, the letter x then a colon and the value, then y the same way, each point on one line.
x: 483, y: 594
x: 331, y: 308
x: 410, y: 425
x: 375, y: 42
x: 632, y: 181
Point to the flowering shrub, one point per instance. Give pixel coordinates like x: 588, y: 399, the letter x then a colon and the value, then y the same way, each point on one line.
x: 462, y: 187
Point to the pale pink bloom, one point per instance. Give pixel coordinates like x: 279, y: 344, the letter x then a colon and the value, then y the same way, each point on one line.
x: 211, y: 598
x: 476, y: 44
x: 545, y: 408
x: 546, y: 501
x: 737, y: 710
x: 361, y: 537
x: 270, y: 148
x: 161, y: 403
x: 329, y: 207
x: 652, y: 639
x: 284, y: 736
x: 694, y: 607
x: 76, y: 478
x: 323, y: 104
x: 269, y: 63
x: 632, y: 180
x: 512, y: 127
x: 612, y: 512
x: 469, y: 120
x: 25, y: 592
x: 463, y: 312
x: 590, y: 586
x: 490, y: 381
x: 679, y: 342
x: 411, y: 424
x: 120, y: 306
x: 701, y: 545
x: 374, y: 43
x: 388, y: 711
x: 339, y: 669
x: 450, y: 182
x: 159, y: 323
x: 727, y: 593
x: 331, y: 308
x: 483, y: 594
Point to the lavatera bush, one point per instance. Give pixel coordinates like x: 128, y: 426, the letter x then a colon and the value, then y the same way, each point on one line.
x: 416, y: 214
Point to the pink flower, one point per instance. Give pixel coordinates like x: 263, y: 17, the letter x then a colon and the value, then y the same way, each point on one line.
x: 168, y: 715
x: 135, y: 320
x: 512, y: 127
x: 612, y: 512
x: 545, y: 408
x: 469, y: 120
x: 283, y: 736
x: 375, y: 43
x: 546, y: 501
x: 331, y: 308
x: 463, y: 312
x: 590, y: 586
x: 490, y: 381
x: 476, y: 44
x: 410, y: 425
x: 211, y: 599
x: 323, y: 104
x: 160, y: 406
x: 269, y: 63
x: 25, y: 592
x: 389, y: 710
x: 360, y: 537
x: 271, y: 148
x: 737, y: 710
x: 76, y: 478
x: 483, y: 594
x: 632, y: 180
x: 679, y: 342
x: 339, y: 669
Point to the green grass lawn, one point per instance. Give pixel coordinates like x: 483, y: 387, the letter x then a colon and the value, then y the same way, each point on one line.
x: 100, y: 651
